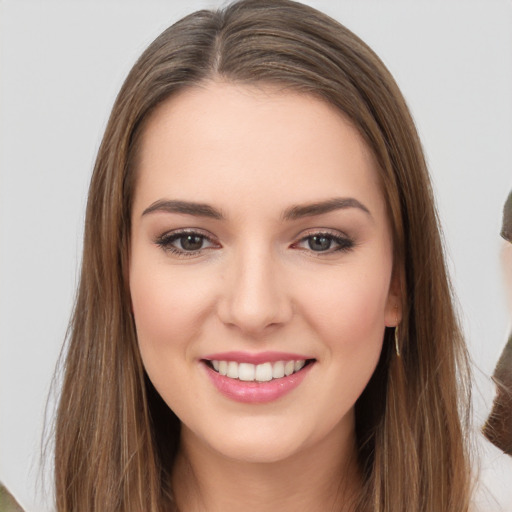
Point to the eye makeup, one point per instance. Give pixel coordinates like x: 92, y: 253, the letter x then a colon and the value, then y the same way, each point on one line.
x: 192, y: 242
x: 186, y: 242
x: 325, y: 242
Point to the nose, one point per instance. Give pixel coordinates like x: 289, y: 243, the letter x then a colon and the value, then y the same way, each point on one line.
x: 255, y: 298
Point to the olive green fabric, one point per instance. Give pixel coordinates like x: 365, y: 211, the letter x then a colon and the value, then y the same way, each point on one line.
x: 498, y: 428
x: 7, y: 502
x: 506, y: 230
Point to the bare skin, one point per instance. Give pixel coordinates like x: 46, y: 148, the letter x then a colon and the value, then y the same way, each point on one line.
x: 287, y: 485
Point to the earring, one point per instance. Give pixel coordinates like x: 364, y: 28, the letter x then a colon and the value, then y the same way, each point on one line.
x: 397, y: 344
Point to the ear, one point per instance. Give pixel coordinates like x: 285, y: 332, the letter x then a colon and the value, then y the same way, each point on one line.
x: 393, y: 312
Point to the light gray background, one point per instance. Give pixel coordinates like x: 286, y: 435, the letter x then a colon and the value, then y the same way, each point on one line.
x: 61, y: 65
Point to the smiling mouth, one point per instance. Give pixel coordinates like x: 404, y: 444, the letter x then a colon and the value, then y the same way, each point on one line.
x: 264, y: 372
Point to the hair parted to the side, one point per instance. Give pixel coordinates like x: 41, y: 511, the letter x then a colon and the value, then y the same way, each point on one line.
x: 115, y: 437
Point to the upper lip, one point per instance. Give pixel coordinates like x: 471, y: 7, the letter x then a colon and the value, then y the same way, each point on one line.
x: 256, y: 358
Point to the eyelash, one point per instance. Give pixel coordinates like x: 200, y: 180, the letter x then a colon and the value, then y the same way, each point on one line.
x: 166, y: 241
x: 345, y: 244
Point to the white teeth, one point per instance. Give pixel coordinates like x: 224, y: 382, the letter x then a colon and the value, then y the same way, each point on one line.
x: 289, y: 367
x: 260, y: 373
x: 246, y: 371
x: 263, y: 372
x: 232, y: 370
x: 278, y: 370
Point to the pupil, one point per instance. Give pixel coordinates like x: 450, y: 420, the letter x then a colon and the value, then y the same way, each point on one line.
x: 191, y: 242
x: 319, y: 243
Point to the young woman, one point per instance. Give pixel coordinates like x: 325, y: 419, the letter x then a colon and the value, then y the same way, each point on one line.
x: 264, y: 319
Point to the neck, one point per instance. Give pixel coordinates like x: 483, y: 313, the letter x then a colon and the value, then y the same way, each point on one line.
x: 324, y: 476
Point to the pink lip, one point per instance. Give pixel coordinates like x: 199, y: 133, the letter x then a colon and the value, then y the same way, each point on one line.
x: 259, y: 358
x: 257, y: 392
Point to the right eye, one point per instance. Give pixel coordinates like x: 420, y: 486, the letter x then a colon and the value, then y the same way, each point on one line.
x: 185, y: 243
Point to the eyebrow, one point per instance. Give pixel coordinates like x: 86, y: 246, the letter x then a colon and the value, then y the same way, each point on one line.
x: 321, y: 207
x: 291, y: 213
x: 184, y: 207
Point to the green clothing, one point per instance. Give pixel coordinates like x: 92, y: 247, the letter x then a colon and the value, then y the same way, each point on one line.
x: 498, y: 428
x: 7, y: 502
x: 506, y: 229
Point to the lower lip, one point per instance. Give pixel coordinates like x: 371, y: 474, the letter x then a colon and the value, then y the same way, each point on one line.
x: 256, y: 392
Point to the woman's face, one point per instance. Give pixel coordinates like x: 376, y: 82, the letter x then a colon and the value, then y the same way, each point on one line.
x: 260, y: 268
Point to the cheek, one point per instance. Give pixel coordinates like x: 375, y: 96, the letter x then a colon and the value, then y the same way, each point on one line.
x: 167, y: 307
x: 154, y: 308
x: 350, y: 308
x: 345, y: 313
x: 355, y: 336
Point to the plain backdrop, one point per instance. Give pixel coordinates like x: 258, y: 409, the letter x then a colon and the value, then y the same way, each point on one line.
x: 61, y: 65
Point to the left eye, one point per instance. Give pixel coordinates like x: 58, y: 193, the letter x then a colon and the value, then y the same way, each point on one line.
x: 184, y: 242
x: 325, y: 242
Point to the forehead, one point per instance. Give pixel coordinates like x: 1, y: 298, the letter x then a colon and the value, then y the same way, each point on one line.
x: 221, y: 141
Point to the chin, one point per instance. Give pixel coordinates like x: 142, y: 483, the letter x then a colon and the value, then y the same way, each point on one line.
x: 265, y: 440
x: 250, y: 439
x: 258, y: 451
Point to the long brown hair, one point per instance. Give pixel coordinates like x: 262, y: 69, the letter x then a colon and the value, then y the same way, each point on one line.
x: 115, y: 438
